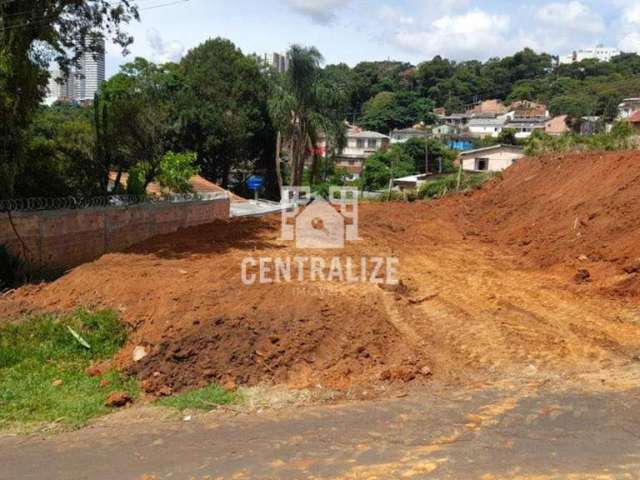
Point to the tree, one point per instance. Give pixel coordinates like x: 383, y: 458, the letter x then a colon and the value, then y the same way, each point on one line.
x: 222, y: 110
x: 389, y: 110
x: 381, y: 167
x: 303, y: 107
x: 134, y: 121
x: 176, y: 169
x: 32, y: 32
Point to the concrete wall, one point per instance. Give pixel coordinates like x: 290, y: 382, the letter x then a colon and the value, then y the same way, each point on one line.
x: 66, y: 238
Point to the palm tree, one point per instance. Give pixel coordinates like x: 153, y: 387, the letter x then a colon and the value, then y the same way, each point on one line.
x: 301, y: 107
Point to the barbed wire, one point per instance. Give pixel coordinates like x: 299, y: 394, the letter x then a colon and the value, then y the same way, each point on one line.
x: 111, y: 201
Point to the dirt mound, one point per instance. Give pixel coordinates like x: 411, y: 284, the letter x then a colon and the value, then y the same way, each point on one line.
x: 578, y: 211
x: 183, y: 298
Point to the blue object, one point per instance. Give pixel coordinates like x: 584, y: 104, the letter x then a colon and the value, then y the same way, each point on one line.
x: 460, y: 145
x: 255, y: 182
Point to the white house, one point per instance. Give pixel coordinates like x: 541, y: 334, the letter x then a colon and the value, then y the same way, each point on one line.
x: 524, y: 128
x: 360, y: 146
x: 486, y: 127
x: 491, y: 159
x: 601, y: 53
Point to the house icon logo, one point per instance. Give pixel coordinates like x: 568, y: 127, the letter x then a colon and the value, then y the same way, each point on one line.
x: 316, y: 223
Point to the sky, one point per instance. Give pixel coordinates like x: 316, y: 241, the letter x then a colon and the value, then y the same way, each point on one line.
x: 352, y: 31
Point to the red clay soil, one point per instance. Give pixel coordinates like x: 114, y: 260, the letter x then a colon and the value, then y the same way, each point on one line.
x: 580, y: 211
x: 487, y: 290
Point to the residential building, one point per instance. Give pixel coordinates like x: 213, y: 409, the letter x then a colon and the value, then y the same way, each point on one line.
x: 405, y: 134
x: 279, y: 61
x: 90, y: 74
x: 360, y: 145
x: 455, y: 119
x: 601, y: 53
x: 412, y: 182
x: 591, y: 125
x: 525, y: 109
x: 634, y: 120
x: 524, y: 127
x: 628, y: 107
x: 491, y: 159
x: 483, y: 127
x: 557, y: 126
x: 488, y: 108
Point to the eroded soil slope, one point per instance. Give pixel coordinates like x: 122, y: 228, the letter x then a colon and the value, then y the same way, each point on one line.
x: 487, y: 290
x: 580, y: 211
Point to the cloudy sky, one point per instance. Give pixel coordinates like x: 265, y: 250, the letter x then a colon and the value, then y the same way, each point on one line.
x: 411, y: 30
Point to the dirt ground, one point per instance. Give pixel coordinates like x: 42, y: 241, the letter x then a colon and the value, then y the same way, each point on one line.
x: 488, y: 290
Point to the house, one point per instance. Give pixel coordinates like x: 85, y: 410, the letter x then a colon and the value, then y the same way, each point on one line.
x: 360, y: 145
x: 591, y: 125
x: 628, y: 107
x: 557, y: 126
x: 412, y: 182
x: 441, y: 131
x: 455, y: 119
x: 199, y: 185
x: 524, y: 109
x: 601, y: 53
x: 488, y: 108
x: 525, y: 127
x: 486, y: 127
x: 634, y: 120
x: 491, y: 159
x: 405, y: 134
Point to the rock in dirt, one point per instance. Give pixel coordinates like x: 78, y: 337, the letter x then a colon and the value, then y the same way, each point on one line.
x: 139, y: 353
x: 118, y: 400
x: 583, y: 276
x: 94, y: 371
x: 632, y: 267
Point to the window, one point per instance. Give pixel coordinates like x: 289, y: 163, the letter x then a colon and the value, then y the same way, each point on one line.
x: 482, y: 164
x: 360, y: 143
x: 372, y: 143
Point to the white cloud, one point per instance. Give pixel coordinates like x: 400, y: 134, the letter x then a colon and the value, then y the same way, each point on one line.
x: 574, y: 16
x: 630, y: 42
x: 632, y: 14
x: 319, y: 11
x: 394, y: 15
x: 475, y: 34
x: 163, y: 51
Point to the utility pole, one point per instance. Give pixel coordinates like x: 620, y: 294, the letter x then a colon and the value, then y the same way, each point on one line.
x: 426, y: 155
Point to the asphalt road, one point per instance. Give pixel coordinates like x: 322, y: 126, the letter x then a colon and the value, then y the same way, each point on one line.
x: 517, y: 432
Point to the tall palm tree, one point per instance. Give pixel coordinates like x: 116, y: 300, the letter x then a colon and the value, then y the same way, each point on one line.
x: 301, y: 109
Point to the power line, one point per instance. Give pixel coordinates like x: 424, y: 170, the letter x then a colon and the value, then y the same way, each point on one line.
x: 46, y: 19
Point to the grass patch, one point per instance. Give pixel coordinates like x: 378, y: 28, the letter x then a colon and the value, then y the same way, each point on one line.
x: 449, y: 184
x: 201, y: 399
x: 42, y: 369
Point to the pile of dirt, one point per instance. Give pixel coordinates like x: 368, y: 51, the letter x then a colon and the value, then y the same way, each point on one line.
x: 185, y: 303
x: 577, y: 211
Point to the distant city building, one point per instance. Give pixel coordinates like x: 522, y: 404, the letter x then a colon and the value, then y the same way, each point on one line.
x: 278, y: 61
x: 604, y: 54
x: 90, y: 74
x: 83, y: 82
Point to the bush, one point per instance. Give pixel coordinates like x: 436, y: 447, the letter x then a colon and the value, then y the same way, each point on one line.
x: 443, y: 186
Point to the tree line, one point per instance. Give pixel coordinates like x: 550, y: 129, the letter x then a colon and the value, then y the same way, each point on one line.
x: 225, y: 115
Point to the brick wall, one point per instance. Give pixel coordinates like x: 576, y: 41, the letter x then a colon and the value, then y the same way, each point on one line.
x: 66, y: 238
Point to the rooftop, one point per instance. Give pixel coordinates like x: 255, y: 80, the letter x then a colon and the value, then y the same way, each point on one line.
x: 491, y: 148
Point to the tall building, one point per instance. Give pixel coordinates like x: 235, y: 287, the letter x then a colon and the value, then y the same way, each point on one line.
x: 602, y: 53
x: 89, y: 75
x: 278, y: 61
x: 83, y: 82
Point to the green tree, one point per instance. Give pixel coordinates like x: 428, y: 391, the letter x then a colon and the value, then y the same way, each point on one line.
x: 176, y: 169
x: 302, y: 106
x: 63, y: 30
x: 384, y: 165
x: 222, y: 110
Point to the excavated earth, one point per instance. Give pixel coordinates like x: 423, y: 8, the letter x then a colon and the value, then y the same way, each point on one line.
x: 537, y: 270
